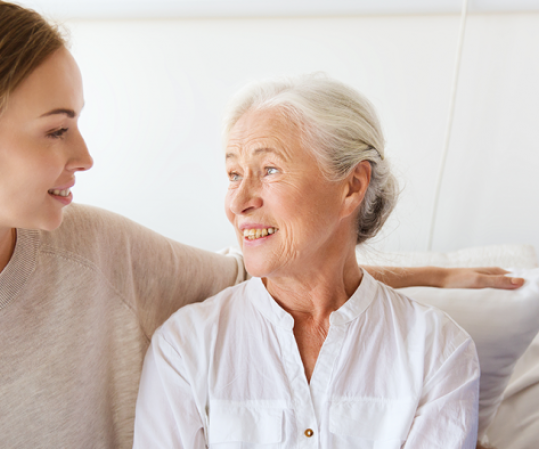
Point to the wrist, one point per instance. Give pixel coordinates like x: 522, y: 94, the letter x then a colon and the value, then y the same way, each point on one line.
x: 438, y: 277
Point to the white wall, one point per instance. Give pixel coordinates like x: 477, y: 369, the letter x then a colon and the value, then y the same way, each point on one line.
x: 155, y: 91
x: 158, y: 9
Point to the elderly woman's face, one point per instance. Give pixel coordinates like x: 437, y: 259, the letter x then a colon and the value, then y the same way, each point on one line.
x: 285, y: 213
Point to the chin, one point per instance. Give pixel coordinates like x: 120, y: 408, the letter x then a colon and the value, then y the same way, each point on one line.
x: 260, y: 268
x: 51, y: 221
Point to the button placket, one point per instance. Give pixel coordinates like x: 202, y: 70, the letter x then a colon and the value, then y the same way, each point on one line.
x: 323, y: 371
x: 301, y: 395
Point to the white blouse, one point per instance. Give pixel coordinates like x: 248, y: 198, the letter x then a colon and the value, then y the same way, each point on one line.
x: 227, y: 373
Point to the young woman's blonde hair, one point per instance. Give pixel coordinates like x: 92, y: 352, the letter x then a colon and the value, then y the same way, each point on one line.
x: 26, y: 40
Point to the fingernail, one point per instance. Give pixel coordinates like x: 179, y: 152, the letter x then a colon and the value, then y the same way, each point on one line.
x: 516, y: 281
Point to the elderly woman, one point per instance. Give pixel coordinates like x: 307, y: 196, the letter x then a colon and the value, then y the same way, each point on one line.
x: 311, y: 352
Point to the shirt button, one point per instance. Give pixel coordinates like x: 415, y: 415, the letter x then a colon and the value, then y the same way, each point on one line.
x: 309, y: 433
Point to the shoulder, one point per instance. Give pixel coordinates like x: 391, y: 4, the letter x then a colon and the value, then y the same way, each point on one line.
x: 90, y: 232
x: 427, y: 322
x: 192, y: 333
x: 83, y: 225
x: 82, y: 219
x: 427, y: 337
x: 196, y: 323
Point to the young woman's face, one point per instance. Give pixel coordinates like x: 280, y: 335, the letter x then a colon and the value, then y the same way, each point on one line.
x: 41, y: 147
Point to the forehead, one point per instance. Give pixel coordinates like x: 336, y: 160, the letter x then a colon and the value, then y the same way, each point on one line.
x: 56, y: 83
x: 266, y: 128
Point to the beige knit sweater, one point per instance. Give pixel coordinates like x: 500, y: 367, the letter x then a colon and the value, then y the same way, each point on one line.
x: 78, y: 307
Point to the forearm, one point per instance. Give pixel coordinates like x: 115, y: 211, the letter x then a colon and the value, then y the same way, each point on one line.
x: 401, y: 277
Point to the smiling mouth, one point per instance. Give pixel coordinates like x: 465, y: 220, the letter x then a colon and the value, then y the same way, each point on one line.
x: 253, y: 234
x: 64, y: 193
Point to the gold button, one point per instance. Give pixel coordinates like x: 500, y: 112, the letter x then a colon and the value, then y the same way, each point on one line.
x: 309, y: 433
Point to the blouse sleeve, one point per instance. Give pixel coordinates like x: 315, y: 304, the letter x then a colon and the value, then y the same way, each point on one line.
x: 166, y: 413
x: 446, y: 417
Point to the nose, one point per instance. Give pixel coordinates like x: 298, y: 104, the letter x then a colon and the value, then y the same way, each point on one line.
x: 80, y: 159
x: 246, y: 197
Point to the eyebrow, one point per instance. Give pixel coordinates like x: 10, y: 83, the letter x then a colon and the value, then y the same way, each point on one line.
x: 265, y: 150
x: 255, y: 152
x: 69, y: 112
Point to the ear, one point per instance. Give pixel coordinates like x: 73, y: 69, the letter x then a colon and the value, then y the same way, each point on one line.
x: 355, y: 187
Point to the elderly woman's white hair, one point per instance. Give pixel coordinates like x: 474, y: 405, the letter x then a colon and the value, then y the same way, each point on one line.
x: 338, y: 125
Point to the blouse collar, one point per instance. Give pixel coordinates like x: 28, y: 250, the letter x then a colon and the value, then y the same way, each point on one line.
x: 350, y: 310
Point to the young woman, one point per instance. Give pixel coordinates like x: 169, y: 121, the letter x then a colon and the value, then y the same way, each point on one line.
x: 81, y: 289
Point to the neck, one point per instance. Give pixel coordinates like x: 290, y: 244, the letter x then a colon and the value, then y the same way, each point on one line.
x: 319, y: 290
x: 310, y: 297
x: 8, y: 238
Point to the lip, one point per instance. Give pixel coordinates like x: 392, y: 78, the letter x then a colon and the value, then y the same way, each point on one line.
x: 257, y: 242
x: 65, y: 200
x: 253, y: 226
x: 64, y: 186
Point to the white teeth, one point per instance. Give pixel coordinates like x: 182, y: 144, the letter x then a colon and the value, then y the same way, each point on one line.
x: 253, y: 234
x: 65, y: 192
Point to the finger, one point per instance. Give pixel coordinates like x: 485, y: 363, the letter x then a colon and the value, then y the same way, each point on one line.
x: 504, y: 282
x: 493, y: 271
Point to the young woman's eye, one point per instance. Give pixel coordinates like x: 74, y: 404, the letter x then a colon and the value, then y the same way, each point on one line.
x: 58, y: 134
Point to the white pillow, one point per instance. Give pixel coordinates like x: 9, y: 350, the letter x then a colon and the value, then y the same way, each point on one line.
x: 501, y: 322
x: 516, y: 425
x: 516, y: 256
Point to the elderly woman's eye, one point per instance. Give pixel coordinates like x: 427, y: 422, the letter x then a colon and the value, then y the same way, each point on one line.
x: 233, y: 176
x: 271, y: 170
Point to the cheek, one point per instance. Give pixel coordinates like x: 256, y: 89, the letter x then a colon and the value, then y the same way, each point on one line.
x: 284, y: 198
x: 316, y: 219
x: 229, y: 214
x: 310, y: 204
x: 28, y: 169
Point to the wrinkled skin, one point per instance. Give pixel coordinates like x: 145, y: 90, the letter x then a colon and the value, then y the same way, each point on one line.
x: 275, y: 182
x: 309, y: 265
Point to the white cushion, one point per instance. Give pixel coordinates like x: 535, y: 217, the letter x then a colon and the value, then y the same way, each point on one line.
x: 516, y: 424
x: 501, y: 322
x: 516, y: 256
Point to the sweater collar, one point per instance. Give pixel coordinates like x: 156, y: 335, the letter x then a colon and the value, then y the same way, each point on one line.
x: 20, y: 267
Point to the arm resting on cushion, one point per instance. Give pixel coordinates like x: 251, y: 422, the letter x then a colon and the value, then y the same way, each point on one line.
x: 401, y: 277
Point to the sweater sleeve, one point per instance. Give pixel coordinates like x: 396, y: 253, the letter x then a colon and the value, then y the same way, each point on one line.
x: 153, y: 275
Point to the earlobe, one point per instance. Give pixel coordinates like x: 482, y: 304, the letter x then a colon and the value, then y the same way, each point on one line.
x: 356, y: 186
